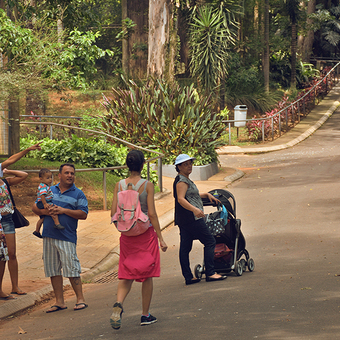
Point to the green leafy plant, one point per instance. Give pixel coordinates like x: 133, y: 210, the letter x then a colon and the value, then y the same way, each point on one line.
x: 91, y: 153
x: 166, y: 118
x: 210, y: 40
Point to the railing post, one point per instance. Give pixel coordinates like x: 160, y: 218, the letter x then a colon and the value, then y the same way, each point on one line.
x: 299, y: 111
x: 160, y: 180
x: 104, y: 188
x: 229, y: 127
x: 40, y: 127
x: 51, y: 131
x: 304, y: 106
x: 293, y: 118
x: 263, y: 131
x: 314, y: 95
x: 272, y: 128
x: 280, y: 124
x: 286, y: 119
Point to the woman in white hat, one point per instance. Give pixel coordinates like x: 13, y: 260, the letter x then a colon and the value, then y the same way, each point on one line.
x: 189, y: 217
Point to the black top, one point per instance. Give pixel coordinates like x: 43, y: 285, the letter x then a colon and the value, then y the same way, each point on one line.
x: 182, y: 215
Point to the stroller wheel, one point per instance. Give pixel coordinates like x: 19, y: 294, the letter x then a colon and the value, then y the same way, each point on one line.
x: 198, y: 271
x: 251, y: 265
x: 244, y: 264
x: 238, y: 268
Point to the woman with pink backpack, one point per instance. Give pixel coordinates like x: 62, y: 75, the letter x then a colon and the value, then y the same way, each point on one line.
x: 139, y: 254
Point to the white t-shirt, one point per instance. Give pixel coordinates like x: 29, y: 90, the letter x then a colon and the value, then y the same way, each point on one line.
x: 1, y: 173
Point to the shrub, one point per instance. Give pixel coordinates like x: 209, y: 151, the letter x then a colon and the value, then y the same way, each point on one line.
x: 165, y: 118
x: 91, y: 153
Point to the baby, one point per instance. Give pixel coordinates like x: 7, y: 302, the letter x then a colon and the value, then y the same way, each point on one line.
x: 44, y: 200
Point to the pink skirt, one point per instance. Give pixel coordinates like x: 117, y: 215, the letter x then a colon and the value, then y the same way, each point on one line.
x: 139, y: 256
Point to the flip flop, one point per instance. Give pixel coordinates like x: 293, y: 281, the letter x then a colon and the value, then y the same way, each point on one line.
x: 8, y: 297
x: 79, y: 304
x: 57, y: 308
x: 19, y: 293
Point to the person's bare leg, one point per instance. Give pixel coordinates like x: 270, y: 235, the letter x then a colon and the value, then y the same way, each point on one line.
x: 2, y: 271
x: 147, y: 289
x: 124, y: 287
x: 58, y: 289
x: 78, y: 289
x: 13, y: 263
x: 39, y: 224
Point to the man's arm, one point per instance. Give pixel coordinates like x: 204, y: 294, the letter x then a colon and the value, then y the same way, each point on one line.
x: 77, y: 214
x: 38, y: 211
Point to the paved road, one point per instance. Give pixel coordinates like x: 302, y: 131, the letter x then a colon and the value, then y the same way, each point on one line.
x: 288, y: 203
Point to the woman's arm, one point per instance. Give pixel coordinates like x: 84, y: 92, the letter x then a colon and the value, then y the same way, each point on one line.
x: 153, y: 215
x: 181, y: 189
x: 114, y: 200
x: 19, y: 176
x: 210, y: 197
x: 14, y: 158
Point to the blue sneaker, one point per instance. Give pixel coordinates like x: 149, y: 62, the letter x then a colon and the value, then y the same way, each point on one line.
x: 116, y: 317
x: 147, y: 320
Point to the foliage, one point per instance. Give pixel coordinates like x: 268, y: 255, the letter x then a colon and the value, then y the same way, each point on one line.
x: 244, y: 85
x: 87, y: 152
x: 326, y: 23
x: 37, y: 60
x: 210, y: 41
x: 289, y: 107
x: 166, y: 118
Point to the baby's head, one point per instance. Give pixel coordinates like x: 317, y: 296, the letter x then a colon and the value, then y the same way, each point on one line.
x: 45, y: 176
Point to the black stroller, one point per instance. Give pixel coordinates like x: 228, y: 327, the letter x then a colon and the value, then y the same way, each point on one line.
x: 230, y: 243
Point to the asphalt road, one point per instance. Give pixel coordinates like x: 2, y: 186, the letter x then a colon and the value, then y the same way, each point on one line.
x: 288, y: 202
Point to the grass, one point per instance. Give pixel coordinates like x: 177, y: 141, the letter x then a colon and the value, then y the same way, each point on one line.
x: 239, y: 138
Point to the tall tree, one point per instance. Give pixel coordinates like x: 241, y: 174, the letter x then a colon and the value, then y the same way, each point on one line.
x: 266, y: 47
x: 159, y: 46
x: 293, y: 11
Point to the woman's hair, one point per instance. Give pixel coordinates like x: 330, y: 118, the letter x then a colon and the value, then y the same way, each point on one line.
x: 43, y: 171
x: 135, y: 160
x: 177, y: 168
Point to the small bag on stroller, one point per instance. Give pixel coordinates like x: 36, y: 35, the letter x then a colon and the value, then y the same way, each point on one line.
x: 217, y: 220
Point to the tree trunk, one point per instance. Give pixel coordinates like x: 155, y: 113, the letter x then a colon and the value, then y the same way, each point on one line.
x: 159, y: 38
x: 14, y: 128
x: 125, y: 42
x: 308, y: 43
x: 266, y: 47
x: 182, y: 31
x: 293, y: 57
x: 138, y: 12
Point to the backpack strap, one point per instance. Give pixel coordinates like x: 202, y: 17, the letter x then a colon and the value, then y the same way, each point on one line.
x: 123, y: 186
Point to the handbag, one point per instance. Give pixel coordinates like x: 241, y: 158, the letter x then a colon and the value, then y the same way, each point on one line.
x: 18, y: 218
x: 215, y: 222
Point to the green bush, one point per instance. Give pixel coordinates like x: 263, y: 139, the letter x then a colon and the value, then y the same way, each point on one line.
x: 166, y: 118
x: 91, y: 153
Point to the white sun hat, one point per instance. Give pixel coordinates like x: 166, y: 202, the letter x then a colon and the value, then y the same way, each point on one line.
x: 183, y: 158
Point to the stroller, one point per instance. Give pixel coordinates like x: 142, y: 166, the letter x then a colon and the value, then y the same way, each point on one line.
x: 230, y: 243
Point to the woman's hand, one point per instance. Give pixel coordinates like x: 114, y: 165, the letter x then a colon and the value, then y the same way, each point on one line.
x: 198, y: 213
x: 212, y: 198
x: 163, y: 245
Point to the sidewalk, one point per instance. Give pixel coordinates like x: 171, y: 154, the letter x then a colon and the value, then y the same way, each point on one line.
x: 98, y: 240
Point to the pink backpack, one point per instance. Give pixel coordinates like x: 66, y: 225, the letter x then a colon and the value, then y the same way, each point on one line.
x: 129, y: 218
